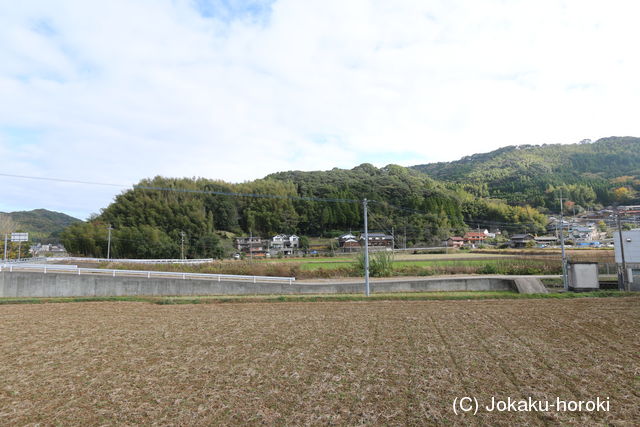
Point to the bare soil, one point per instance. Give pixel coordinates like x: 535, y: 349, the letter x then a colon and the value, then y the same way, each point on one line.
x: 344, y: 363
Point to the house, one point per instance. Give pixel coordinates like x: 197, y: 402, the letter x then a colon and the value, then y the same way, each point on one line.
x: 285, y: 244
x: 379, y: 240
x: 42, y: 250
x: 520, y: 240
x: 348, y: 243
x: 489, y: 235
x: 454, y: 242
x: 473, y: 238
x: 585, y: 233
x: 546, y: 240
x: 252, y: 245
x: 343, y: 238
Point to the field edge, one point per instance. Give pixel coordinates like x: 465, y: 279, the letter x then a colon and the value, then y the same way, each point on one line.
x: 404, y: 296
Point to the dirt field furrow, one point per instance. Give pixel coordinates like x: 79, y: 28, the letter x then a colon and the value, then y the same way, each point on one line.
x: 341, y: 363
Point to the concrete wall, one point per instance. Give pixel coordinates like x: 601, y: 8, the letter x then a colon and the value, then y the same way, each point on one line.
x: 27, y: 284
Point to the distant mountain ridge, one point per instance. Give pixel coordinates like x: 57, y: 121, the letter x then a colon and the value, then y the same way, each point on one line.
x: 589, y: 172
x: 42, y: 223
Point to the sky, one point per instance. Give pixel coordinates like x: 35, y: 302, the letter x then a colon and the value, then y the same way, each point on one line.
x: 120, y: 90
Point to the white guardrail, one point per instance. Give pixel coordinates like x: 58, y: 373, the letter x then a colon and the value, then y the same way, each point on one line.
x: 132, y: 261
x: 72, y: 269
x: 24, y: 260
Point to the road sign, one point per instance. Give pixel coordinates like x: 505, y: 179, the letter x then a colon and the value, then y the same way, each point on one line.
x: 19, y: 237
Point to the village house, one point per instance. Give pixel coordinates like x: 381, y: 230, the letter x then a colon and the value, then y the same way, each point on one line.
x: 585, y: 233
x: 490, y: 235
x: 379, y: 240
x: 454, y: 242
x: 473, y: 238
x: 285, y: 244
x: 42, y: 250
x: 252, y: 246
x: 348, y: 243
x: 521, y: 240
x: 546, y: 240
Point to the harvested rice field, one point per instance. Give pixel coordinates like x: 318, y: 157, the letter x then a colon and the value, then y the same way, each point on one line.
x: 341, y: 363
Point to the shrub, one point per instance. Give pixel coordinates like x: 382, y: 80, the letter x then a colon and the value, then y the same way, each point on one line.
x: 380, y: 264
x: 488, y: 269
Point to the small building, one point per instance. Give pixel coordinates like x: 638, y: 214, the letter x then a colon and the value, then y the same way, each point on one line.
x: 631, y: 246
x: 454, y: 242
x: 583, y: 276
x: 585, y: 233
x: 285, y: 244
x: 348, y: 243
x: 520, y: 240
x: 48, y: 249
x: 346, y: 237
x: 474, y: 238
x: 379, y: 240
x: 252, y: 246
x: 546, y: 240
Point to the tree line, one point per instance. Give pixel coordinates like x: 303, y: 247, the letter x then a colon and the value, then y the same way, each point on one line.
x: 148, y: 220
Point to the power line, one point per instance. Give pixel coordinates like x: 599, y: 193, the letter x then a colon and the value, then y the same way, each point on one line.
x: 68, y: 181
x: 186, y: 190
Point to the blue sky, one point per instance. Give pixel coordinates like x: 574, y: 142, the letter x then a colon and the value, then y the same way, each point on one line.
x: 117, y: 91
x: 230, y: 10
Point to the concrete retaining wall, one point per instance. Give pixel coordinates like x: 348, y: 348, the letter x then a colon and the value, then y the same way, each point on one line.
x: 27, y: 284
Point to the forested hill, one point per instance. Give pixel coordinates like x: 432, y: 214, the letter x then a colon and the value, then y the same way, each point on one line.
x: 148, y: 222
x: 595, y: 173
x: 41, y: 223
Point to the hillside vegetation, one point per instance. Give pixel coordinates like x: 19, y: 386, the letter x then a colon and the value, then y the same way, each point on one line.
x: 42, y: 224
x: 589, y: 174
x: 148, y: 219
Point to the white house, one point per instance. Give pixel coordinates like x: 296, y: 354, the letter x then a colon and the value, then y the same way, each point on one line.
x: 285, y: 244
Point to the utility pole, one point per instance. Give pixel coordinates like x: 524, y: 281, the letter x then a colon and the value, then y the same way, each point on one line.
x: 393, y: 239
x: 5, y: 247
x: 251, y: 245
x: 366, y: 249
x: 564, y: 259
x: 109, y: 228
x: 623, y: 285
x: 182, y: 245
x: 404, y: 241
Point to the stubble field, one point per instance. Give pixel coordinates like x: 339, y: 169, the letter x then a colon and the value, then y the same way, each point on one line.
x: 380, y: 363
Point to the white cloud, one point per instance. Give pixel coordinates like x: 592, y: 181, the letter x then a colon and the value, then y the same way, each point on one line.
x: 121, y: 90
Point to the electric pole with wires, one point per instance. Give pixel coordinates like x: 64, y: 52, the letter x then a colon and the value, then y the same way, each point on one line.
x: 565, y: 283
x: 622, y: 282
x: 182, y: 245
x: 109, y: 228
x: 366, y: 249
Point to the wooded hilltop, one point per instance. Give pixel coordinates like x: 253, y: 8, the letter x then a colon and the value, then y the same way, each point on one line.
x: 505, y: 189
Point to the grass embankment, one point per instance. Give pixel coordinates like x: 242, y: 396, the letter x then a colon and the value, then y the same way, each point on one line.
x: 313, y: 269
x: 584, y: 254
x: 405, y: 296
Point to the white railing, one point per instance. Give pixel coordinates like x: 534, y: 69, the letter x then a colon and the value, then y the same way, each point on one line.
x: 72, y: 269
x: 25, y: 260
x: 133, y: 261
